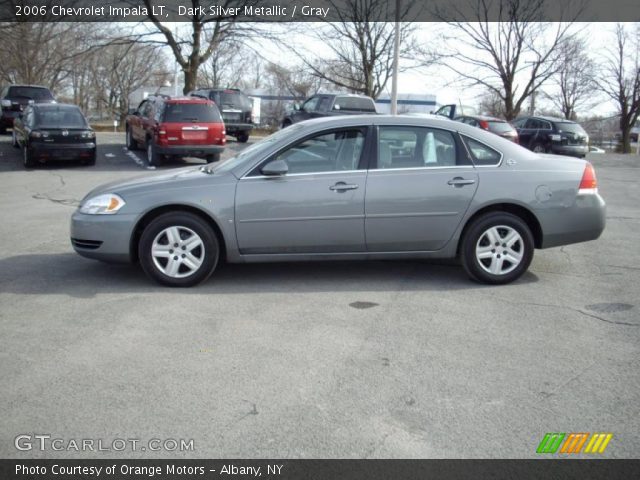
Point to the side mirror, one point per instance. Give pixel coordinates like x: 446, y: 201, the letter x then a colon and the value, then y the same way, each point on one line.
x: 276, y: 168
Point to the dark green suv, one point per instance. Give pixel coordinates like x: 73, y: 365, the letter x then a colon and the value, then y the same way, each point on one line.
x: 235, y: 107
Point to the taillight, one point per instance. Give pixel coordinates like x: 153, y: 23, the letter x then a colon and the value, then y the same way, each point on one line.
x: 484, y: 124
x: 588, y: 184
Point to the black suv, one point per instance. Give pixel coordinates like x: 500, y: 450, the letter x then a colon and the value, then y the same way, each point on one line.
x: 235, y: 108
x: 330, y: 104
x: 14, y: 99
x: 552, y: 135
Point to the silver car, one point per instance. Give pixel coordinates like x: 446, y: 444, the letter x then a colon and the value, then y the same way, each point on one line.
x: 362, y: 187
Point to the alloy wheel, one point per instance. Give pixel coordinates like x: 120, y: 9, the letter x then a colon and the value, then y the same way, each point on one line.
x: 178, y: 252
x: 499, y: 250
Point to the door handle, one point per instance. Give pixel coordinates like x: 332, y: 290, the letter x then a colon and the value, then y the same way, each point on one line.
x: 341, y: 187
x: 460, y: 182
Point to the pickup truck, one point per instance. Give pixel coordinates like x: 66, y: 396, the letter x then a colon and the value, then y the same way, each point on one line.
x: 330, y: 104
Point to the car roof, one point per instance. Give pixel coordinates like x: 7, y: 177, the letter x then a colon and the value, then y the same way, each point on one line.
x: 485, y: 117
x: 56, y: 105
x: 198, y: 100
x: 27, y: 85
x: 553, y: 119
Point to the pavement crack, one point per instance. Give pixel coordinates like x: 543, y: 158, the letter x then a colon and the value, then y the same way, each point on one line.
x: 68, y: 202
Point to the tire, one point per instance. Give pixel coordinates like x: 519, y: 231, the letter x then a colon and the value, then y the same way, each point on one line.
x: 174, y: 271
x: 27, y: 158
x: 286, y: 123
x: 486, y: 262
x: 131, y: 143
x: 538, y: 148
x: 153, y: 158
x: 212, y: 158
x: 91, y: 161
x: 243, y: 137
x: 14, y: 140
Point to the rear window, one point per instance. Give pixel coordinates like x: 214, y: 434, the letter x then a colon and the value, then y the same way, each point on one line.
x: 570, y: 127
x: 56, y: 117
x: 500, y: 127
x: 354, y: 104
x: 232, y: 99
x: 191, y: 112
x: 32, y: 93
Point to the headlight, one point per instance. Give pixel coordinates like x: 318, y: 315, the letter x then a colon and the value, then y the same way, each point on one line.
x: 88, y: 134
x: 105, y: 204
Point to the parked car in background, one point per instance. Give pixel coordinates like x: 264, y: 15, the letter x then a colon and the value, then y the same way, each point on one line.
x: 236, y: 109
x: 635, y: 130
x: 176, y: 127
x: 491, y: 124
x: 357, y: 187
x: 14, y: 99
x: 552, y: 135
x: 329, y: 104
x: 453, y: 111
x: 54, y: 132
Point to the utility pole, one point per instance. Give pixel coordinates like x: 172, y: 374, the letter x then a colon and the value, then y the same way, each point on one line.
x: 396, y: 59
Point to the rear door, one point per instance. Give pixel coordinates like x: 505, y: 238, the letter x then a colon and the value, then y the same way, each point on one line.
x: 192, y: 124
x: 419, y: 191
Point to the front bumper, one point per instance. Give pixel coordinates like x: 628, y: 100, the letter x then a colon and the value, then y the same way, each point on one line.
x: 63, y: 151
x: 570, y: 150
x: 583, y: 221
x: 103, y: 237
x: 189, y: 150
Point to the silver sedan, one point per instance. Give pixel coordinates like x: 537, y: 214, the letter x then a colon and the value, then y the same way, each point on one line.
x: 361, y: 187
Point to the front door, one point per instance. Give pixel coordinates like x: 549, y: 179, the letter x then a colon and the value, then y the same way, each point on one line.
x: 420, y: 190
x: 316, y: 207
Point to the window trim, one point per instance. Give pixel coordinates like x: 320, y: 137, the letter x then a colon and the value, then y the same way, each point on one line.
x: 462, y: 135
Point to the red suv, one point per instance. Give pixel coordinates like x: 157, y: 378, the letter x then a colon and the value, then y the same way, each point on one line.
x: 176, y: 127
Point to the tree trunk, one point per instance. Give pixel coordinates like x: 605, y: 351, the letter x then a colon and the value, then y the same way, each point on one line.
x: 190, y: 78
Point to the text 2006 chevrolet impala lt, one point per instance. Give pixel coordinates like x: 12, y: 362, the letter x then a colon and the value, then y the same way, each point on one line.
x: 362, y: 187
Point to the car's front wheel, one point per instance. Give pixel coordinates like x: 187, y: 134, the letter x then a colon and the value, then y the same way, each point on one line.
x: 27, y: 157
x: 131, y: 143
x: 497, y: 248
x: 539, y: 148
x: 178, y: 250
x: 243, y: 137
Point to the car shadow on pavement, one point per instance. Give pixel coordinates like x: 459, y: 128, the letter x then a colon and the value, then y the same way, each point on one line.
x: 70, y: 274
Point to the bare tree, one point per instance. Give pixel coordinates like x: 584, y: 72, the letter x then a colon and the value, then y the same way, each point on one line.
x: 503, y: 47
x: 491, y: 104
x: 361, y: 45
x: 574, y: 82
x: 620, y: 79
x: 206, y: 33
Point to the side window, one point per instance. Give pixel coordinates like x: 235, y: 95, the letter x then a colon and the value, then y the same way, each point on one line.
x: 324, y: 103
x: 519, y: 123
x: 142, y: 106
x: 415, y: 147
x: 481, y: 153
x: 328, y: 152
x: 148, y: 110
x: 159, y: 111
x: 545, y: 125
x: 310, y: 105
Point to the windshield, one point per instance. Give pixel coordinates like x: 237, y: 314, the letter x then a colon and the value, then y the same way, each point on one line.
x: 191, y: 112
x: 256, y: 148
x: 59, y: 117
x: 33, y: 93
x: 571, y: 128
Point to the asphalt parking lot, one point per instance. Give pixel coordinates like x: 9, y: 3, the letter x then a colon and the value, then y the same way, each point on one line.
x: 349, y: 360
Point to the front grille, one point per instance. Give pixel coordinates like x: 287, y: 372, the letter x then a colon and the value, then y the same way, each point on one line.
x: 86, y: 244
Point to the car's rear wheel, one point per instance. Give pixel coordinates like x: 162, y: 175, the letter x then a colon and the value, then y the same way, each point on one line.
x: 153, y: 158
x: 497, y: 248
x: 539, y: 148
x: 178, y: 250
x: 27, y: 157
x: 243, y: 137
x: 131, y: 143
x: 212, y: 158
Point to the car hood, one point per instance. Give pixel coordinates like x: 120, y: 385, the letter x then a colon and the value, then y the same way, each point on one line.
x: 165, y: 180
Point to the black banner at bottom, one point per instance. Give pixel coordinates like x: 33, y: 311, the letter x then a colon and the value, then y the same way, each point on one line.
x: 564, y: 469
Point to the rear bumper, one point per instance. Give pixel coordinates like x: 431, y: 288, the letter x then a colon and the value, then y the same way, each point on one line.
x: 238, y: 127
x: 103, y: 237
x: 570, y: 150
x: 583, y: 221
x: 189, y: 150
x: 72, y: 151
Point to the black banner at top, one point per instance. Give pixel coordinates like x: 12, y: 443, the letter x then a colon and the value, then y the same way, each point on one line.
x: 318, y: 10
